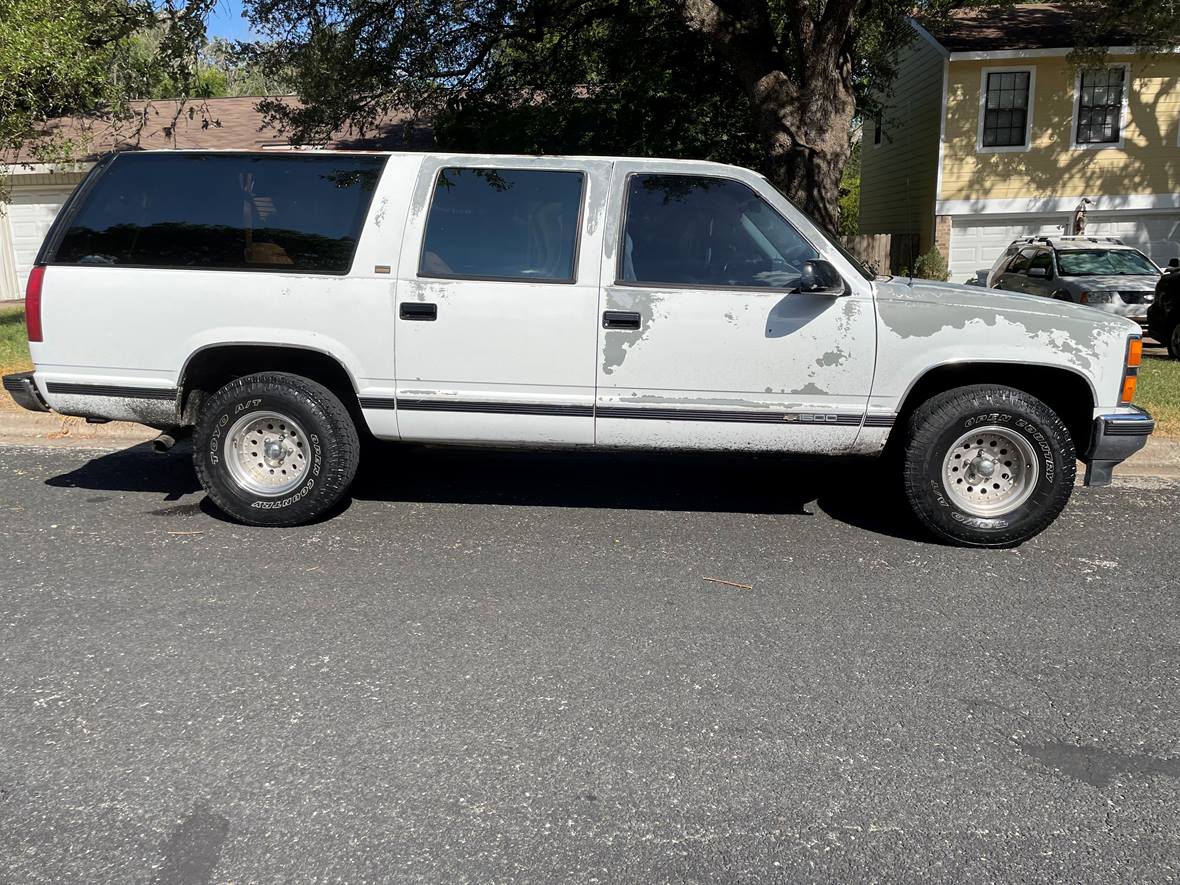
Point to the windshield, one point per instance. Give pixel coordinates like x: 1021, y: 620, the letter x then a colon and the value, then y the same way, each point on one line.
x: 1103, y: 262
x: 836, y: 244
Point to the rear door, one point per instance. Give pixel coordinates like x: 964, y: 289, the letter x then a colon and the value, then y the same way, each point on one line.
x: 497, y: 301
x: 706, y: 341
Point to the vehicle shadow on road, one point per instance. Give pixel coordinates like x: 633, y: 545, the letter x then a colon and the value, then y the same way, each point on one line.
x: 852, y: 491
x: 856, y: 492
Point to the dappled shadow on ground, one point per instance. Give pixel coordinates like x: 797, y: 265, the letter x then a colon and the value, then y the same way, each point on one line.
x: 860, y: 493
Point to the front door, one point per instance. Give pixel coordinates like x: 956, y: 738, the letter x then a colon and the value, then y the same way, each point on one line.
x: 497, y: 302
x: 705, y: 340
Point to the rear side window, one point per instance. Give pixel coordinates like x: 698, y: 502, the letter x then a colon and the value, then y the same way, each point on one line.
x: 503, y: 224
x: 286, y: 212
x: 697, y: 231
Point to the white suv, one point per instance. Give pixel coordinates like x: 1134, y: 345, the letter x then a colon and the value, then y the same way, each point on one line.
x: 285, y: 303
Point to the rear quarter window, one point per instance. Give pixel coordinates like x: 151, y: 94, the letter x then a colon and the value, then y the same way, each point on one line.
x: 283, y: 213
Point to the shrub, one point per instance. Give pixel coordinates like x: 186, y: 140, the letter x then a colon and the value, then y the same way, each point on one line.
x: 929, y: 266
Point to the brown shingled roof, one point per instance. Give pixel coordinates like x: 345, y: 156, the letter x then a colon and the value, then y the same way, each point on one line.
x: 1024, y: 26
x: 222, y: 124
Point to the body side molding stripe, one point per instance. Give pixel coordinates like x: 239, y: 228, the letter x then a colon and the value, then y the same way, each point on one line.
x: 111, y: 390
x: 641, y: 413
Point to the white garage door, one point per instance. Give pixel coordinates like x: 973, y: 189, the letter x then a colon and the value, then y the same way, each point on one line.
x: 30, y: 214
x: 1157, y: 235
x: 975, y: 243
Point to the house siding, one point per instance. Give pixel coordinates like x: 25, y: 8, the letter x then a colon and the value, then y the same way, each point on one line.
x: 1147, y: 164
x: 899, y: 176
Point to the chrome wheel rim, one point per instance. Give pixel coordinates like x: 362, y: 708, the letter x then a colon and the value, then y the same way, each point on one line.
x: 266, y: 453
x: 990, y: 471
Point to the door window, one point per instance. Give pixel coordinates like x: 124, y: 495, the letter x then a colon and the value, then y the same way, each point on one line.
x: 1043, y: 261
x: 697, y: 231
x: 503, y: 224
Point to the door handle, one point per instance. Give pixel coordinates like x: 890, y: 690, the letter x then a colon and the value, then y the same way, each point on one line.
x: 418, y: 310
x: 620, y: 319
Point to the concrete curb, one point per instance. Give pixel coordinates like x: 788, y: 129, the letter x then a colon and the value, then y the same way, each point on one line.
x: 1160, y: 457
x: 48, y: 429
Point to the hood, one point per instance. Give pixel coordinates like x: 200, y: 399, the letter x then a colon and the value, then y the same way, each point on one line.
x: 1115, y: 282
x: 980, y: 300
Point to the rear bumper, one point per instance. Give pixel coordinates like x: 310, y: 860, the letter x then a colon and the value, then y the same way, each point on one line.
x: 1116, y: 438
x: 22, y: 388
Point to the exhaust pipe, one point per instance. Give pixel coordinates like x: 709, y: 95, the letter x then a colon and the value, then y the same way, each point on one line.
x: 163, y: 443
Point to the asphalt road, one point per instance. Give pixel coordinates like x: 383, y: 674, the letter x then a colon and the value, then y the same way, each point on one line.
x: 510, y: 668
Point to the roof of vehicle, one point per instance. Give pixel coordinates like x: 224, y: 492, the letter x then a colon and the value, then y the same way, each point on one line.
x: 1064, y: 243
x: 457, y: 155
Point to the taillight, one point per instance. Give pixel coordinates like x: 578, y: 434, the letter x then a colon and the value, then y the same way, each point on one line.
x: 1131, y: 370
x: 33, y: 303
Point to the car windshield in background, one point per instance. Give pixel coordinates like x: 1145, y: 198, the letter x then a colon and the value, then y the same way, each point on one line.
x: 1103, y: 262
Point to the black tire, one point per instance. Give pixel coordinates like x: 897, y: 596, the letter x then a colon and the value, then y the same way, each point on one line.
x: 942, y: 421
x: 1173, y: 342
x: 332, y: 448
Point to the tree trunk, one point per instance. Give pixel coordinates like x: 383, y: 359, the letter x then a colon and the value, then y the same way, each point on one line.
x: 802, y: 94
x: 807, y: 146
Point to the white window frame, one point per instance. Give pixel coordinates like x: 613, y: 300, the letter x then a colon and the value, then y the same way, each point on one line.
x: 1031, y: 70
x: 1124, y: 113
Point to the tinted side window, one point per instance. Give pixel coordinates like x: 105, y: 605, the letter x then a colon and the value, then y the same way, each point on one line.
x: 506, y: 224
x: 1043, y: 261
x: 288, y: 212
x: 692, y: 230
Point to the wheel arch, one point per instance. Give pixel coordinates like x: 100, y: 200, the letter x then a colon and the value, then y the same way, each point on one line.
x: 212, y: 366
x: 1068, y: 393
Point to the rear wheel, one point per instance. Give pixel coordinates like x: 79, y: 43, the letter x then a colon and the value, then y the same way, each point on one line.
x: 1173, y: 342
x: 275, y: 449
x: 988, y: 466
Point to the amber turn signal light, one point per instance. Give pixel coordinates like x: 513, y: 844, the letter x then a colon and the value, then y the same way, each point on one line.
x: 1134, y: 353
x: 1131, y: 370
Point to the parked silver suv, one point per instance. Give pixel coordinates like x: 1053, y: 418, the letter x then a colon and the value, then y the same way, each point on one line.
x: 1097, y: 271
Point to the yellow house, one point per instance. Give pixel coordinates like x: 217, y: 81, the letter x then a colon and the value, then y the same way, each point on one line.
x: 991, y: 133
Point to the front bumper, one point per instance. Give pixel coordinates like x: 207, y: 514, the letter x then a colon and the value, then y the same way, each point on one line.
x: 22, y: 388
x: 1116, y: 438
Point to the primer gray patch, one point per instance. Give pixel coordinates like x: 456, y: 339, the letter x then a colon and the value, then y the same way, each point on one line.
x: 616, y: 343
x: 835, y: 357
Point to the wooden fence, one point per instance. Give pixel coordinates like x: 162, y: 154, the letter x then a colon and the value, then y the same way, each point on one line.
x: 889, y: 253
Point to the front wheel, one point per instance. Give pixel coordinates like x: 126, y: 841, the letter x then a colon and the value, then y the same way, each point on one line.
x: 275, y: 449
x: 1173, y: 343
x: 988, y: 466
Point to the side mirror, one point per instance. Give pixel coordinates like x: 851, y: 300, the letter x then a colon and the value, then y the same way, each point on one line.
x: 1038, y: 272
x: 819, y: 277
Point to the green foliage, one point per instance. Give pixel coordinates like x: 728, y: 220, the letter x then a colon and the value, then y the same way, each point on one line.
x: 14, y: 346
x: 929, y: 266
x: 631, y: 83
x: 850, y: 194
x: 88, y: 58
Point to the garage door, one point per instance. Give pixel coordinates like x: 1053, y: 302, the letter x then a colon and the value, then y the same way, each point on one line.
x: 975, y: 243
x: 30, y: 214
x: 1157, y: 235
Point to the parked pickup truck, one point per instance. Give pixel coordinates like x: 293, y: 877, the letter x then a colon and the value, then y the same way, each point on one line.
x: 286, y: 304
